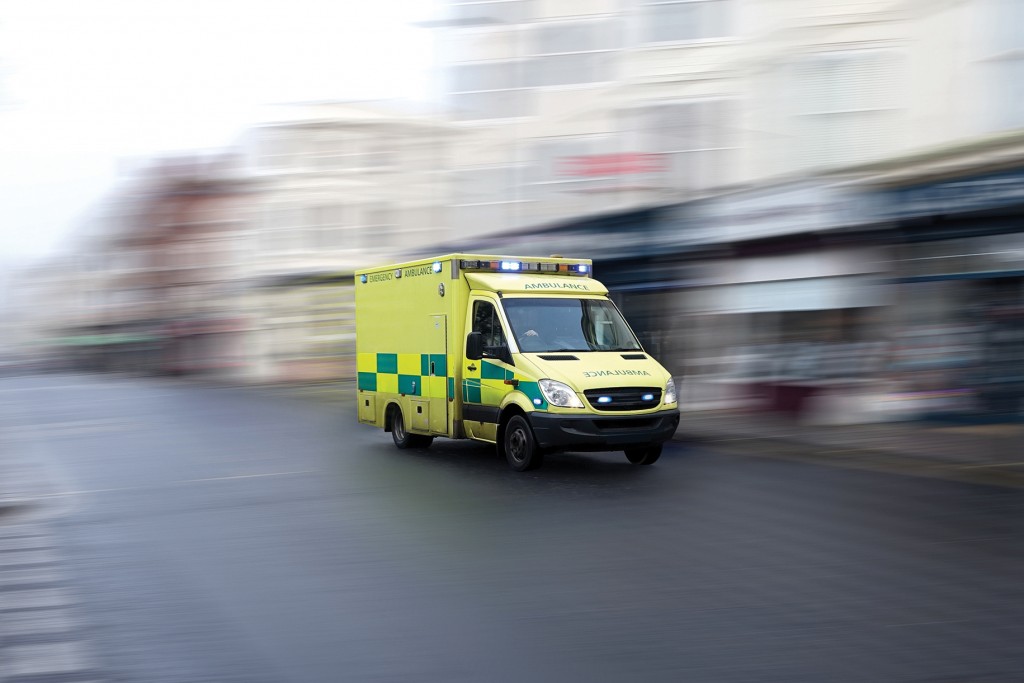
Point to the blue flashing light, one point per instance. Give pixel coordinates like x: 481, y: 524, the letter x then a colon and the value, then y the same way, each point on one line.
x: 537, y: 401
x: 362, y: 278
x: 604, y: 399
x: 436, y: 267
x: 648, y: 397
x: 511, y: 265
x: 583, y: 268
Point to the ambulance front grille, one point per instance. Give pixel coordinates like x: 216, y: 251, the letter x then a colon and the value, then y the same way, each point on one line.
x: 624, y: 398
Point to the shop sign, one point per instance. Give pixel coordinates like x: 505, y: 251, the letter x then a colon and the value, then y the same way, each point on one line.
x: 989, y: 191
x: 773, y: 211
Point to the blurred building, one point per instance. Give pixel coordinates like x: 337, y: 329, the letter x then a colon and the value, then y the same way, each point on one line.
x: 338, y: 186
x: 579, y: 108
x: 237, y: 264
x: 158, y: 279
x: 735, y: 168
x: 955, y: 220
x: 800, y: 204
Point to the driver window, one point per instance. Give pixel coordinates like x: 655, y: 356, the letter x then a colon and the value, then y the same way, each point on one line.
x: 488, y: 324
x: 604, y: 329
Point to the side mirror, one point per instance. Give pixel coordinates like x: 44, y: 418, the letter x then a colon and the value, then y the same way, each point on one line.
x: 474, y: 346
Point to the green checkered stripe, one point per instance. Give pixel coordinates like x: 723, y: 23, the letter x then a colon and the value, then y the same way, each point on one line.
x: 492, y: 382
x: 405, y: 373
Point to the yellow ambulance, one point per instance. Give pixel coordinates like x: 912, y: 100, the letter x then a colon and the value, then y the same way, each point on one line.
x: 527, y: 353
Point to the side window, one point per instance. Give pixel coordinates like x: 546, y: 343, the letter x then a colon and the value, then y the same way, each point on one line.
x: 604, y: 329
x: 487, y: 322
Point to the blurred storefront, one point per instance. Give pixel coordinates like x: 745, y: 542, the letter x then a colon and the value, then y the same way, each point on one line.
x: 785, y: 301
x: 307, y: 329
x: 959, y: 267
x: 209, y: 345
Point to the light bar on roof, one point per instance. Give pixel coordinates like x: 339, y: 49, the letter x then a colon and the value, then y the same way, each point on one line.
x: 508, y: 266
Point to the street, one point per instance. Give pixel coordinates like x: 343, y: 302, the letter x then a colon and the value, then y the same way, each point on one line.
x: 235, y: 534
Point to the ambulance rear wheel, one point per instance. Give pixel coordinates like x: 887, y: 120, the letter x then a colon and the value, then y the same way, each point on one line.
x: 646, y: 455
x: 521, y: 449
x: 402, y: 438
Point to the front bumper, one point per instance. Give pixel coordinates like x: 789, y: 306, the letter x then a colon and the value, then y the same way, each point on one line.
x: 603, y: 432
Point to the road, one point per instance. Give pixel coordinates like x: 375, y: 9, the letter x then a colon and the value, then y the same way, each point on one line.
x: 228, y: 534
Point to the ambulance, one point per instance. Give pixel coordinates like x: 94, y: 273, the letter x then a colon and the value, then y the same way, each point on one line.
x: 526, y: 353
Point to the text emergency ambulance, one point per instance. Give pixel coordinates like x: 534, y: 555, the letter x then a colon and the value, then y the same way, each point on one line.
x: 525, y: 353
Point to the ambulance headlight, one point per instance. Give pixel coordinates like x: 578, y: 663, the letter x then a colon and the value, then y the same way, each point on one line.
x: 559, y: 394
x: 670, y: 391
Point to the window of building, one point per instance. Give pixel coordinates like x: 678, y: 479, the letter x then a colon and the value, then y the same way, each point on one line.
x: 847, y: 106
x: 487, y: 199
x: 670, y: 21
x: 1002, y: 63
x: 381, y: 154
x: 328, y: 226
x: 491, y: 90
x: 484, y: 12
x: 329, y: 153
x: 569, y: 53
x: 380, y: 227
x: 275, y: 150
x: 695, y: 140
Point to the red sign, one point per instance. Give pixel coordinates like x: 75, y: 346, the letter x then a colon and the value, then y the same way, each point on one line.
x: 622, y: 163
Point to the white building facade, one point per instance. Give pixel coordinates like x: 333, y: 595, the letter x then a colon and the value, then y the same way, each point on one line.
x: 578, y: 107
x: 336, y: 187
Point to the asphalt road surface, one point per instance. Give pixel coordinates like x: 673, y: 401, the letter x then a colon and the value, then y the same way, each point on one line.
x: 228, y: 534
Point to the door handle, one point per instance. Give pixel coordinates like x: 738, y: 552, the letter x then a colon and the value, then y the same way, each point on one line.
x: 471, y: 367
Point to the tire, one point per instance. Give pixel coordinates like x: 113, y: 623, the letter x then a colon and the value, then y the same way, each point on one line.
x: 401, y: 437
x: 646, y: 455
x: 520, y: 447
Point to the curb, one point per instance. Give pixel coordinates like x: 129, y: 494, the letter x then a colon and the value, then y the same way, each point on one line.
x: 860, y: 458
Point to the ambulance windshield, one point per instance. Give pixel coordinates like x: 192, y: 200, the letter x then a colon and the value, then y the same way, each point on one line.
x: 565, y: 324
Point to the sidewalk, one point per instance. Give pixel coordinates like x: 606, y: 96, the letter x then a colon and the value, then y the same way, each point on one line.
x: 991, y: 454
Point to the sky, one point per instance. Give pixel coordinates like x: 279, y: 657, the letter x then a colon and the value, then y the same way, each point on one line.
x: 86, y: 85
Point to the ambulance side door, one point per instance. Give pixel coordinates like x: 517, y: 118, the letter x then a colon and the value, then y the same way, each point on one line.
x: 483, y: 379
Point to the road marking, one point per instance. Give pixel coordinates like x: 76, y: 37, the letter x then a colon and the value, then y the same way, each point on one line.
x: 248, y: 476
x: 49, y: 659
x: 928, y: 623
x: 179, y: 482
x: 22, y: 558
x: 994, y: 464
x: 26, y: 543
x: 83, y: 493
x: 35, y: 598
x: 39, y: 622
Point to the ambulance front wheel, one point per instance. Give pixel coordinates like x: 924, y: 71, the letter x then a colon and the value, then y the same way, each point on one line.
x: 647, y: 455
x: 404, y: 439
x: 521, y: 448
